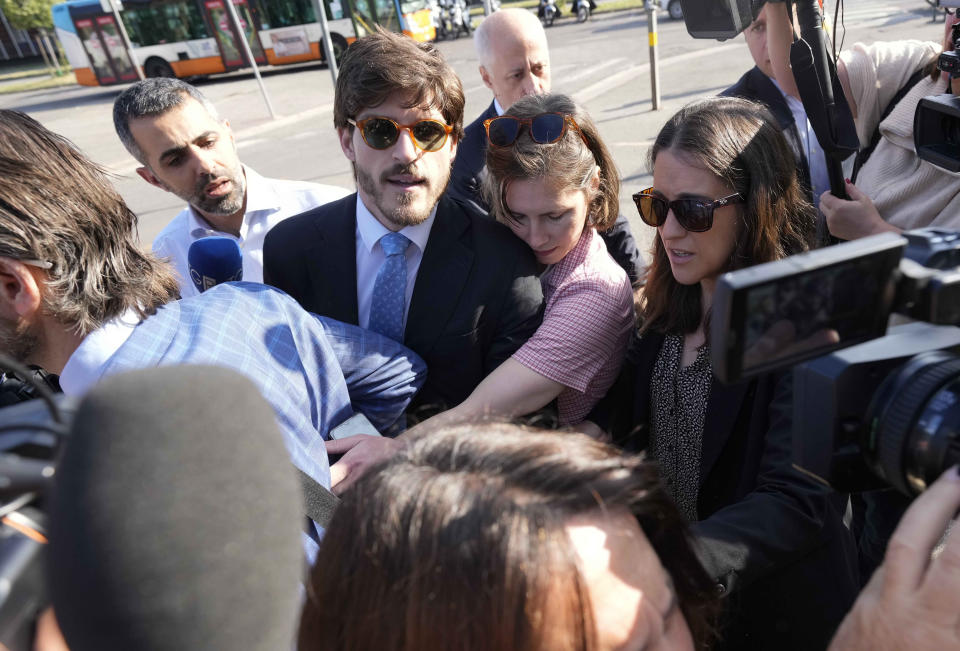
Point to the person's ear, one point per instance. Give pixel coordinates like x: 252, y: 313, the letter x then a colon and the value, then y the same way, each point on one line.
x: 19, y: 290
x: 485, y: 76
x: 149, y: 177
x: 346, y: 142
x: 229, y: 130
x: 453, y: 146
x: 594, y: 182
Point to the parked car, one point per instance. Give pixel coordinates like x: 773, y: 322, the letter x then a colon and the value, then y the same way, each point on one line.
x: 672, y: 7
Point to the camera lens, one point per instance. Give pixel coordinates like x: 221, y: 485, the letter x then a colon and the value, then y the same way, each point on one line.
x: 914, y: 420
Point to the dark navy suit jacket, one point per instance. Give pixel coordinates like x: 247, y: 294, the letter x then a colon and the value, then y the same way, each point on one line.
x: 755, y: 85
x: 772, y: 537
x: 475, y: 301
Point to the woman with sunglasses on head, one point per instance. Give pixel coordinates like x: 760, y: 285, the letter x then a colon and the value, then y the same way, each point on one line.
x: 725, y: 196
x: 553, y: 182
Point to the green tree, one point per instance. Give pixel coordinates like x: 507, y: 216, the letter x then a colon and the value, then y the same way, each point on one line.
x: 28, y: 14
x: 34, y: 17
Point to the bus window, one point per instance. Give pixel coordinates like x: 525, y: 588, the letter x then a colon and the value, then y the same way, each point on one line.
x: 387, y: 15
x: 163, y: 23
x: 284, y: 13
x: 412, y: 6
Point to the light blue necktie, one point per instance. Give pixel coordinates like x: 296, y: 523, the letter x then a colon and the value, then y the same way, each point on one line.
x: 390, y: 288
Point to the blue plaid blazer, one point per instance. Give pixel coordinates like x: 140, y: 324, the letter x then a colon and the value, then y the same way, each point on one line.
x: 316, y: 372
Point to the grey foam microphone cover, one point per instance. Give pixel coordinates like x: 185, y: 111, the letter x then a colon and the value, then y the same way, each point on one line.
x: 176, y: 516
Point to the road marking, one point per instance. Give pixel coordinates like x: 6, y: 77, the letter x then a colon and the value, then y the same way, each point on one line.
x: 872, y: 16
x: 558, y: 72
x: 599, y: 88
x: 592, y: 70
x: 244, y: 138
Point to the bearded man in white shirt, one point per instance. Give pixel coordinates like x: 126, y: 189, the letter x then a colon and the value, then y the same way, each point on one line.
x: 185, y: 148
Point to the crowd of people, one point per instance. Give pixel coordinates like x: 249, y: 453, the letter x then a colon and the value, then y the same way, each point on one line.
x: 480, y: 275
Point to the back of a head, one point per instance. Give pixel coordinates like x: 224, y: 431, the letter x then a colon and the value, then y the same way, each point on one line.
x: 175, y: 518
x: 59, y: 206
x: 459, y: 542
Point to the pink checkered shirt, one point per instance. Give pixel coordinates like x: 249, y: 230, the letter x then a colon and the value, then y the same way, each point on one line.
x: 586, y: 325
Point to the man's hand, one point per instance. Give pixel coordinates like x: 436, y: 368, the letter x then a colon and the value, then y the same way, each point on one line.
x: 911, y: 601
x: 359, y: 451
x: 854, y: 218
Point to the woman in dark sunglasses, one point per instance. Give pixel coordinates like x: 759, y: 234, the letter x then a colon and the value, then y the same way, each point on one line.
x: 725, y: 196
x: 552, y: 181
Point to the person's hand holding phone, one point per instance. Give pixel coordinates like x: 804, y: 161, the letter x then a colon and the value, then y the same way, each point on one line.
x: 911, y: 601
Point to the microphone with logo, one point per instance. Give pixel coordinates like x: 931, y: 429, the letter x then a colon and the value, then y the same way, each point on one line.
x: 214, y: 260
x: 176, y: 516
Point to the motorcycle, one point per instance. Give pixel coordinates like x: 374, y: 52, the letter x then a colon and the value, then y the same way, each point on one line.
x: 457, y: 18
x: 437, y: 20
x: 547, y: 12
x: 582, y: 9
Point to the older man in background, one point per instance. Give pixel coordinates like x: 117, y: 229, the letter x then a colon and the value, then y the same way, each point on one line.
x: 515, y: 62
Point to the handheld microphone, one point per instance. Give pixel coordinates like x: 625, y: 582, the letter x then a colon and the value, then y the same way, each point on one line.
x: 214, y: 260
x: 176, y: 516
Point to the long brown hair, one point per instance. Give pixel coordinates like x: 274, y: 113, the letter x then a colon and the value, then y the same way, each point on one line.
x: 58, y: 206
x: 739, y: 142
x: 569, y: 163
x: 459, y: 543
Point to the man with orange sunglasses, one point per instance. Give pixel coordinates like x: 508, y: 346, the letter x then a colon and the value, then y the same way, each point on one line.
x: 399, y: 257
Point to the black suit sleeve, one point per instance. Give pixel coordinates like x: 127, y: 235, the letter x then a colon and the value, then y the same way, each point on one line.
x: 623, y: 248
x: 520, y: 314
x: 779, y: 521
x: 274, y: 269
x: 465, y: 178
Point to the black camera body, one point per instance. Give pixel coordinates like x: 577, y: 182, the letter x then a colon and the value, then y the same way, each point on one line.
x: 874, y: 415
x: 936, y: 123
x: 870, y: 408
x: 29, y: 442
x: 719, y: 19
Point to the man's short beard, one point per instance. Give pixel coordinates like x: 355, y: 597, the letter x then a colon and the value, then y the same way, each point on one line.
x: 404, y: 214
x: 223, y: 206
x: 19, y: 340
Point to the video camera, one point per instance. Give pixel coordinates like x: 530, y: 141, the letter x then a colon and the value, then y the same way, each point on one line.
x: 31, y: 432
x: 936, y: 124
x: 870, y: 408
x: 719, y: 19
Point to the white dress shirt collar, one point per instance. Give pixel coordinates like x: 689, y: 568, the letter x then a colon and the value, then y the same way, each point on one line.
x: 371, y: 230
x: 497, y: 107
x: 88, y: 361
